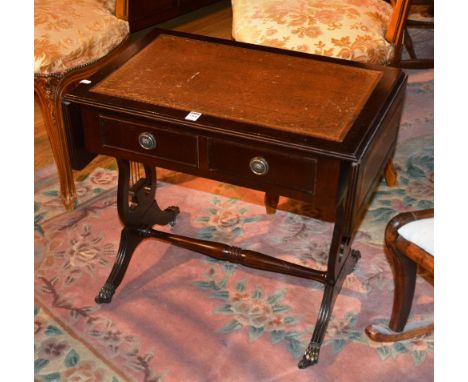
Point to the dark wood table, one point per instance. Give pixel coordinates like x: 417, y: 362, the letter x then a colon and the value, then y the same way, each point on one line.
x: 307, y: 127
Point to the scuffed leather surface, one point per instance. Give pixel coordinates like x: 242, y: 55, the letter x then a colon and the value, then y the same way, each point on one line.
x: 292, y: 94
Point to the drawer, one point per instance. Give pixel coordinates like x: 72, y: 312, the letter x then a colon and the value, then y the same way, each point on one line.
x: 262, y: 165
x: 147, y: 141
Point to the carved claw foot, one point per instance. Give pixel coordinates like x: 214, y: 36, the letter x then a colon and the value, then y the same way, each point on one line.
x: 176, y: 211
x: 311, y: 356
x: 105, y: 294
x: 356, y: 255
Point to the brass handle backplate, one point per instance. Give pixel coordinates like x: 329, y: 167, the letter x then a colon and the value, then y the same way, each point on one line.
x: 259, y: 166
x: 147, y: 141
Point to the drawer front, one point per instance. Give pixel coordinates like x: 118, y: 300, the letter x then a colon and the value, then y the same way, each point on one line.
x: 147, y: 141
x: 263, y: 165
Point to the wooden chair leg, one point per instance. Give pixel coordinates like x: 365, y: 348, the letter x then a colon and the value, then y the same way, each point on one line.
x: 408, y: 42
x: 390, y: 174
x: 414, y: 62
x: 405, y: 283
x: 48, y: 90
x: 405, y: 257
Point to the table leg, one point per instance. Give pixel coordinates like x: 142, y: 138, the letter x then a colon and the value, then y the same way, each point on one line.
x: 390, y: 174
x: 341, y: 260
x: 137, y: 209
x: 271, y: 203
x: 129, y: 239
x: 330, y: 293
x: 405, y: 285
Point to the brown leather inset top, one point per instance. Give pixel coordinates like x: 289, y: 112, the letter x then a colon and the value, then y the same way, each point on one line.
x: 294, y: 94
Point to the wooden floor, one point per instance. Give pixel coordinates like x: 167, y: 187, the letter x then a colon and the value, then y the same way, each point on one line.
x: 214, y: 21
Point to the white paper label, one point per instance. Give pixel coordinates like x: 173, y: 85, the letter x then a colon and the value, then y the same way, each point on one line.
x: 85, y: 82
x: 193, y: 116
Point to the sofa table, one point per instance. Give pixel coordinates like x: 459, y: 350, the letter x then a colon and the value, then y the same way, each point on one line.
x: 311, y: 128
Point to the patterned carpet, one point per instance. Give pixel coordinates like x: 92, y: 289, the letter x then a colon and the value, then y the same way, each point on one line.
x: 179, y: 316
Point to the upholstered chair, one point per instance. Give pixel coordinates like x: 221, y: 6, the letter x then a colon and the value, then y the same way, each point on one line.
x: 369, y: 31
x: 72, y: 39
x: 409, y: 240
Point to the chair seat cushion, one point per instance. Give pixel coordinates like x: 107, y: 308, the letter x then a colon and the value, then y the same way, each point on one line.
x: 71, y: 33
x: 347, y: 29
x: 421, y: 233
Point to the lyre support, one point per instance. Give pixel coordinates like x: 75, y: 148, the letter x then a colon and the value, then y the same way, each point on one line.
x: 137, y: 207
x: 136, y: 202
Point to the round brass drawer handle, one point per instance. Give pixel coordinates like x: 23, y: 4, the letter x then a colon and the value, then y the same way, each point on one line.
x: 147, y: 141
x: 259, y: 166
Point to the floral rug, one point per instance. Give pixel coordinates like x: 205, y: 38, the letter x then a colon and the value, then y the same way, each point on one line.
x: 180, y: 316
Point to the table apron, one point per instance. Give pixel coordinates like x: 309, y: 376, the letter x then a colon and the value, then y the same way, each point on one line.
x: 291, y: 172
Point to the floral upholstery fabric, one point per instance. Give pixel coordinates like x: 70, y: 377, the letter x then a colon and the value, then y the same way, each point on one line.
x: 108, y: 4
x: 70, y: 33
x: 347, y: 29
